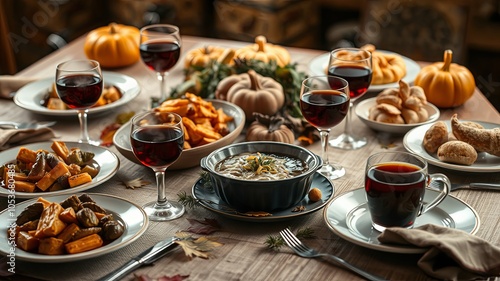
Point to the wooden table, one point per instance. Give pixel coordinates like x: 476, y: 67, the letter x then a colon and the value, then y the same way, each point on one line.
x: 244, y: 255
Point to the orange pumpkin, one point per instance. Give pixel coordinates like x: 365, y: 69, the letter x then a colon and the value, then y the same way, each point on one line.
x: 446, y: 84
x: 115, y: 45
x: 264, y: 51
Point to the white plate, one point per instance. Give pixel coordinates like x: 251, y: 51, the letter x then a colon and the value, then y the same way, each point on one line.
x: 319, y: 64
x: 362, y: 110
x: 485, y: 163
x: 132, y: 217
x: 348, y: 217
x: 210, y: 201
x: 106, y: 161
x: 30, y: 96
x: 190, y: 157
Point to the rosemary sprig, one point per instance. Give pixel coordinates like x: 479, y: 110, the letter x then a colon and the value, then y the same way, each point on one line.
x: 187, y: 200
x: 275, y: 242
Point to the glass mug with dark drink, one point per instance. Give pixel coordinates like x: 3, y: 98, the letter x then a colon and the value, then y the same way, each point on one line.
x: 324, y: 102
x: 79, y: 85
x: 157, y: 140
x: 395, y: 184
x: 160, y: 49
x: 355, y: 66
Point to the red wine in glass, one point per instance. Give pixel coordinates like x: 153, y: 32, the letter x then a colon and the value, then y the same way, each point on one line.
x: 393, y: 191
x: 359, y: 77
x: 157, y: 146
x: 160, y: 56
x: 80, y: 90
x: 324, y: 108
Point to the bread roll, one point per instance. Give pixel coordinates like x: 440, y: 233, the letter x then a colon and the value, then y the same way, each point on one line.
x: 487, y: 140
x: 457, y: 152
x: 435, y: 136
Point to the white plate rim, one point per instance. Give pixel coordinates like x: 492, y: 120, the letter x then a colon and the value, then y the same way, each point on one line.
x: 133, y: 229
x: 359, y: 196
x: 393, y: 128
x: 412, y: 142
x: 107, y: 160
x: 317, y: 176
x: 29, y: 96
x: 317, y: 66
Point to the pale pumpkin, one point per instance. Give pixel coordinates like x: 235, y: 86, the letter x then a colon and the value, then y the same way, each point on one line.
x: 252, y: 92
x: 202, y: 57
x: 264, y: 51
x: 115, y: 45
x: 446, y: 84
x: 266, y: 128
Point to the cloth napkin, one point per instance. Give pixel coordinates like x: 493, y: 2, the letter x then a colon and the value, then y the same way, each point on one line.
x: 452, y: 254
x: 13, y: 137
x: 9, y: 84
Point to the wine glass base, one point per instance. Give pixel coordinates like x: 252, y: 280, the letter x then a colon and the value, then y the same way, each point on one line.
x: 347, y: 142
x: 166, y: 212
x: 332, y: 172
x: 91, y: 142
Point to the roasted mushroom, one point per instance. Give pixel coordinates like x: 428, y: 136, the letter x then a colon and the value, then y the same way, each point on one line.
x: 73, y: 202
x: 111, y: 230
x: 30, y: 213
x: 38, y: 169
x: 87, y: 218
x: 85, y: 232
x: 85, y: 198
x: 94, y: 207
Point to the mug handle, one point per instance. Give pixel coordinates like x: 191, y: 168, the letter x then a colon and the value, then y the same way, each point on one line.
x: 445, y: 190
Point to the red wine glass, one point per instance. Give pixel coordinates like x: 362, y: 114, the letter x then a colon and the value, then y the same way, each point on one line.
x: 160, y: 49
x: 157, y: 140
x: 324, y: 103
x: 355, y: 66
x: 79, y: 85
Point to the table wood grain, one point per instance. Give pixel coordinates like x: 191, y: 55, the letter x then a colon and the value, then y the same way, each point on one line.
x: 244, y: 255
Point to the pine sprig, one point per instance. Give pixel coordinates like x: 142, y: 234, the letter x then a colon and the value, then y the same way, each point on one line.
x: 275, y: 242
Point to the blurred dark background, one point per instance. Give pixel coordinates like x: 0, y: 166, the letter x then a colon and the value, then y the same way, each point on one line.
x: 421, y: 30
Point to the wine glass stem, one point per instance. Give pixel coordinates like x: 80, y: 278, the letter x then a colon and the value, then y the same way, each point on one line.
x: 84, y: 134
x: 162, y: 77
x: 160, y: 183
x: 324, y: 143
x: 347, y: 126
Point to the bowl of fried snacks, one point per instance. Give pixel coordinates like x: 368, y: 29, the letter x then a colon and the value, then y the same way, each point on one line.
x: 208, y: 125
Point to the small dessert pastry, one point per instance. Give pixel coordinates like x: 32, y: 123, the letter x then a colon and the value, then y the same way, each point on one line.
x: 487, y: 140
x: 457, y: 152
x: 435, y: 136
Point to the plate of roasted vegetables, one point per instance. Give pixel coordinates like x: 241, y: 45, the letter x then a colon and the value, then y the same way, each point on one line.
x: 40, y: 96
x: 54, y: 168
x: 65, y: 228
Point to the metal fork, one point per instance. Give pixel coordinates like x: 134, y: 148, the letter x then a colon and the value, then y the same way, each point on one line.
x: 302, y: 250
x: 474, y: 185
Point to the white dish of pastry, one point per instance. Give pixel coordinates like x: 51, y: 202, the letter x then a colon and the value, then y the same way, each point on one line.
x: 485, y: 163
x: 362, y: 110
x: 319, y: 65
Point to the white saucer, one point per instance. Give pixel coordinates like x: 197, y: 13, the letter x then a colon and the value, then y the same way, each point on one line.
x: 318, y: 66
x: 348, y: 217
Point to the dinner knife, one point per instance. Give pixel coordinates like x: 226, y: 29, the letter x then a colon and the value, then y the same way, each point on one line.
x: 476, y: 185
x: 145, y: 258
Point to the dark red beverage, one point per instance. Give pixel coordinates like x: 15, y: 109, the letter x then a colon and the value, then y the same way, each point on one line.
x: 79, y: 91
x: 158, y: 146
x: 358, y: 77
x: 394, y: 192
x: 324, y: 108
x: 160, y: 56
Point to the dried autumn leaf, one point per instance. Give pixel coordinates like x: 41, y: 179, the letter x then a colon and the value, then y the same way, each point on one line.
x: 257, y: 214
x: 135, y: 183
x: 300, y: 208
x: 205, y: 226
x: 199, y: 247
